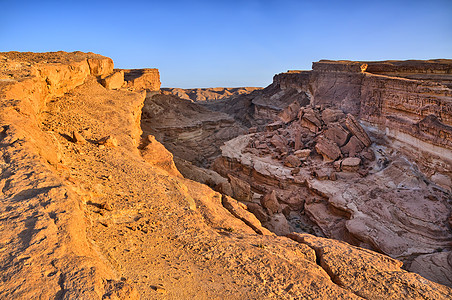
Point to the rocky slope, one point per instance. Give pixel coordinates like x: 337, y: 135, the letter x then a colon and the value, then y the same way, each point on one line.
x: 315, y: 169
x: 91, y: 211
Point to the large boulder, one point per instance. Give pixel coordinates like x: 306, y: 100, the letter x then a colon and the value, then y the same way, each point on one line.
x: 240, y: 189
x: 336, y: 133
x: 290, y: 112
x: 328, y: 149
x: 356, y: 129
x: 353, y: 147
x: 270, y: 202
x: 113, y: 81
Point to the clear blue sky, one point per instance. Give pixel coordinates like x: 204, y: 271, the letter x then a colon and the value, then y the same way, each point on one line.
x: 232, y: 42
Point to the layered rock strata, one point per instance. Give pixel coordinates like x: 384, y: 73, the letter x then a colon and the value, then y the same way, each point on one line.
x: 188, y: 130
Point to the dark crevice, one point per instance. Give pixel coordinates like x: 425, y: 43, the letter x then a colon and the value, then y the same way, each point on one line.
x: 318, y: 260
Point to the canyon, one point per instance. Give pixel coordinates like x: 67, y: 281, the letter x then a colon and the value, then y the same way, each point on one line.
x: 333, y: 183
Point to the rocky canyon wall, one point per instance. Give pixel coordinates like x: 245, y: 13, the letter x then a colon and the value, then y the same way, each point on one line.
x: 90, y: 209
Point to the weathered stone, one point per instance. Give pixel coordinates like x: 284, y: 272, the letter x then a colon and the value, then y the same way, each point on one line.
x: 142, y: 79
x: 351, y: 164
x: 442, y: 180
x: 78, y: 138
x: 258, y: 211
x: 157, y: 155
x: 297, y: 138
x: 270, y: 202
x: 332, y: 115
x: 278, y: 224
x: 353, y: 147
x: 240, y: 189
x: 322, y: 174
x: 292, y: 161
x: 367, y: 273
x: 336, y: 133
x: 275, y: 125
x: 290, y: 112
x: 113, y: 81
x: 303, y: 154
x: 108, y: 141
x: 239, y: 211
x: 311, y: 121
x: 279, y: 142
x: 356, y: 129
x: 328, y: 149
x: 337, y: 165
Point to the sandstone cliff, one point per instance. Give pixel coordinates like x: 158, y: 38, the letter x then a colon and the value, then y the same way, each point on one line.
x: 85, y: 216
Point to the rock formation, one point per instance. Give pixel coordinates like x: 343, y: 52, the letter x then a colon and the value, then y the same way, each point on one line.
x: 93, y: 209
x: 208, y: 94
x: 390, y: 195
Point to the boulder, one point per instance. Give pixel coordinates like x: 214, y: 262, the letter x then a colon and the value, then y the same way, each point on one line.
x: 275, y: 125
x: 108, y: 141
x: 290, y: 112
x: 78, y: 138
x: 351, y: 164
x: 258, y: 211
x: 270, y: 202
x: 311, y: 121
x: 279, y: 142
x: 278, y: 224
x: 332, y: 115
x: 303, y: 154
x: 322, y: 173
x: 328, y: 149
x: 353, y: 147
x: 297, y: 138
x: 356, y: 129
x: 336, y: 133
x: 292, y: 161
x: 240, y: 189
x: 113, y: 81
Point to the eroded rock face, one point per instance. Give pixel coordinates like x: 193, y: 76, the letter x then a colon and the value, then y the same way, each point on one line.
x: 187, y: 129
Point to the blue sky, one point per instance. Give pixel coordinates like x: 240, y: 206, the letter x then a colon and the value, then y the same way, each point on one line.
x: 229, y: 43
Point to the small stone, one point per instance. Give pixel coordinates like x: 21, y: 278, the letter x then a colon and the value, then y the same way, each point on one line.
x: 159, y: 289
x: 106, y: 206
x: 303, y: 154
x: 292, y: 161
x: 108, y: 141
x: 351, y: 164
x: 337, y: 165
x: 78, y: 138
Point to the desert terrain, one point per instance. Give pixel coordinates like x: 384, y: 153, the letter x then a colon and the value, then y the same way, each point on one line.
x: 332, y: 183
